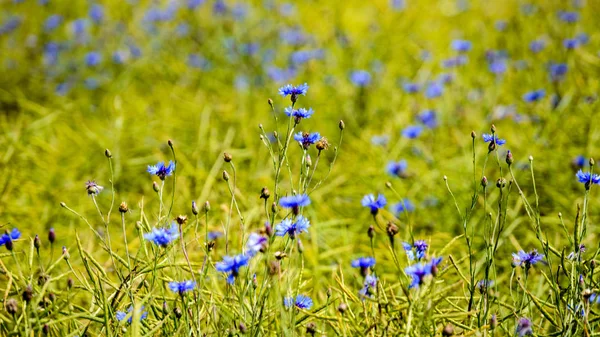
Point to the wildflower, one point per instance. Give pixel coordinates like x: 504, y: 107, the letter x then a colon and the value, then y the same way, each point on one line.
x: 163, y: 236
x: 292, y: 228
x: 492, y: 138
x: 484, y: 285
x: 577, y: 252
x: 295, y: 202
x: 381, y: 140
x: 582, y: 38
x: 360, y: 78
x: 461, y: 45
x: 7, y: 238
x: 527, y: 260
x: 587, y: 178
x: 397, y: 169
x: 92, y: 59
x: 93, y: 188
x: 364, y: 263
x: 534, y: 96
x: 578, y: 162
x: 410, y: 88
x: 524, y: 327
x: 558, y: 71
x: 570, y: 43
x: 418, y: 272
x: 374, y: 204
x: 402, y: 206
x: 256, y: 243
x: 307, y: 139
x: 161, y: 170
x: 434, y: 90
x: 369, y: 285
x: 537, y: 46
x: 213, y: 235
x: 52, y: 22
x: 498, y: 67
x: 298, y: 113
x: 416, y: 250
x: 568, y: 17
x: 412, y: 131
x: 301, y: 302
x: 293, y: 91
x: 232, y: 265
x: 182, y: 287
x: 120, y: 315
x: 428, y: 118
x: 97, y: 13
x: 322, y: 144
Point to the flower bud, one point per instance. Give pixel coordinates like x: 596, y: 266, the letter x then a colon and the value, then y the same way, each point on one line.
x: 342, y: 308
x: 274, y: 208
x: 371, y: 232
x: 270, y: 101
x: 484, y: 182
x: 300, y: 246
x: 51, y: 236
x: 265, y: 193
x: 493, y: 321
x: 28, y: 294
x: 493, y: 128
x: 37, y: 243
x: 227, y: 157
x: 509, y: 158
x: 178, y: 313
x: 123, y: 207
x: 501, y: 183
x: 308, y: 161
x: 45, y: 329
x: 65, y: 253
x: 592, y: 162
x: 155, y: 186
x: 311, y: 328
x: 274, y: 268
x: 280, y: 255
x: 225, y: 176
x: 170, y: 143
x: 242, y: 328
x: 473, y: 134
x: 12, y: 306
x: 107, y: 153
x: 448, y: 330
x: 207, y: 206
x: 391, y: 229
x: 63, y: 205
x: 194, y: 208
x: 268, y: 229
x: 342, y: 125
x: 70, y: 283
x: 181, y: 219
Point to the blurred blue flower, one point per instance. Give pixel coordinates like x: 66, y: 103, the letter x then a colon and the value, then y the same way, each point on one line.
x: 182, y: 287
x: 91, y: 83
x: 303, y: 56
x: 293, y: 36
x: 219, y: 7
x: 398, y: 5
x: 232, y: 265
x: 568, y: 17
x: 193, y: 4
x: 374, y: 204
x: 461, y: 45
x: 281, y: 74
x: 570, y: 43
x: 240, y: 11
x: 579, y: 162
x: 292, y: 229
x: 397, y: 169
x: 404, y: 205
x: 307, y: 139
x: 161, y: 170
x: 213, y: 235
x: 416, y: 250
x: 301, y: 302
x: 52, y: 22
x: 410, y: 88
x: 498, y: 67
x: 256, y: 243
x: 582, y: 38
x: 119, y: 57
x: 163, y: 236
x: 369, y: 286
x: 294, y: 201
x: 182, y: 29
x: 79, y: 27
x: 10, y: 25
x: 500, y: 25
x: 537, y: 46
x: 287, y: 9
x: 534, y: 96
x: 363, y: 262
x: 381, y: 140
x: 558, y: 71
x: 62, y: 88
x: 418, y: 272
x: 197, y: 61
x: 433, y: 90
x: 428, y: 118
x: 92, y: 59
x: 524, y: 327
x: 360, y: 78
x: 412, y: 131
x: 97, y: 13
x: 120, y: 315
x: 487, y: 137
x: 298, y: 113
x: 523, y: 259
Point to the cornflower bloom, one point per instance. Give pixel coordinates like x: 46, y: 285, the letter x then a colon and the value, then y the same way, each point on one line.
x: 232, y: 265
x: 182, y: 287
x: 374, y: 204
x: 163, y: 236
x: 292, y: 228
x: 301, y: 302
x: 161, y: 170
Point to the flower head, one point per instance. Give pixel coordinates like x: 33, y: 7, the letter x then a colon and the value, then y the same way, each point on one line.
x: 360, y: 78
x: 524, y: 327
x: 7, y: 238
x: 412, y: 131
x: 369, y: 285
x: 527, y: 260
x: 298, y: 113
x: 295, y: 202
x: 307, y: 139
x: 410, y: 88
x: 418, y: 272
x: 292, y: 228
x: 256, y: 243
x: 433, y: 90
x: 403, y: 206
x: 571, y: 43
x: 587, y: 178
x: 363, y: 262
x: 301, y: 302
x: 484, y: 285
x: 534, y: 96
x: 416, y: 250
x: 397, y: 169
x: 232, y: 265
x: 461, y: 45
x: 293, y: 91
x: 120, y: 315
x: 93, y: 188
x: 161, y: 170
x: 493, y: 138
x: 568, y: 17
x: 537, y: 46
x: 182, y: 287
x: 428, y: 118
x: 558, y: 71
x: 163, y: 236
x: 374, y: 204
x: 92, y: 59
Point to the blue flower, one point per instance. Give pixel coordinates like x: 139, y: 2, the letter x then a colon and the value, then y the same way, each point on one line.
x: 416, y: 250
x: 93, y: 188
x: 162, y: 170
x: 524, y: 327
x: 568, y: 17
x: 369, y: 285
x: 487, y: 137
x: 428, y: 118
x: 374, y: 204
x: 197, y: 61
x: 52, y: 22
x: 360, y: 78
x: 97, y: 13
x: 293, y: 91
x: 213, y: 235
x: 381, y: 140
x: 410, y: 88
x: 294, y: 37
x: 484, y: 285
x: 418, y: 272
x: 10, y: 25
x: 294, y: 201
x: 298, y: 113
x: 461, y: 45
x: 498, y: 67
x: 256, y: 243
x: 582, y: 38
x: 193, y: 4
x: 292, y: 228
x: 534, y: 96
x: 527, y: 260
x: 579, y: 161
x: 8, y: 237
x: 307, y: 139
x: 404, y: 205
x: 397, y: 169
x: 182, y: 287
x: 364, y: 263
x: 412, y: 131
x: 570, y: 43
x: 558, y: 71
x: 537, y: 46
x: 232, y: 265
x: 163, y: 236
x: 301, y: 302
x: 588, y: 178
x: 433, y: 90
x: 120, y: 315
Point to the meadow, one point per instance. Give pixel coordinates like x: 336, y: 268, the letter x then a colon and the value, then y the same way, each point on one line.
x: 310, y: 168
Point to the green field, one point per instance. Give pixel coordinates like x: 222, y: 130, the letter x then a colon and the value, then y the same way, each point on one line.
x: 475, y: 120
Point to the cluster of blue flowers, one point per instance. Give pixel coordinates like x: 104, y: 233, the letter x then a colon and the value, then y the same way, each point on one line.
x: 418, y: 272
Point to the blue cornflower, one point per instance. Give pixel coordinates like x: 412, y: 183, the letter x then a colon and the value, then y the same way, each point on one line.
x: 219, y: 7
x: 524, y: 327
x: 293, y: 91
x: 374, y: 204
x: 410, y: 88
x: 576, y: 254
x: 570, y: 43
x: 120, y: 315
x: 433, y: 90
x: 93, y: 188
x: 461, y: 45
x: 52, y: 22
x: 294, y: 201
x: 404, y: 205
x: 232, y: 265
x: 484, y: 285
x: 364, y: 263
x: 487, y: 137
x: 418, y: 272
x: 162, y: 170
x: 193, y: 4
x: 412, y: 131
x: 360, y: 78
x: 294, y: 36
x: 534, y: 96
x: 79, y: 27
x: 97, y: 13
x: 558, y: 71
x: 292, y: 228
x: 301, y: 302
x: 369, y: 285
x: 92, y: 59
x: 163, y: 236
x: 299, y: 113
x: 568, y: 17
x: 587, y: 178
x: 256, y: 243
x: 582, y: 38
x: 578, y: 161
x: 416, y: 250
x: 182, y: 287
x: 527, y: 260
x: 537, y: 46
x: 10, y: 25
x: 594, y: 298
x: 428, y: 118
x: 8, y: 237
x: 498, y: 67
x: 397, y: 169
x: 197, y: 61
x: 213, y: 235
x: 307, y: 139
x: 500, y: 25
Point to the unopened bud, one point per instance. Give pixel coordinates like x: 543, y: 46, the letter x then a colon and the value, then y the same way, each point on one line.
x: 274, y: 208
x: 371, y: 232
x: 194, y: 208
x: 268, y: 229
x: 300, y: 246
x: 342, y: 125
x: 28, y: 294
x: 473, y: 134
x: 170, y: 143
x: 227, y: 157
x: 181, y: 219
x: 448, y: 330
x: 270, y: 101
x: 63, y: 205
x: 280, y: 255
x: 65, y: 253
x: 12, y: 306
x: 530, y: 158
x: 70, y: 283
x: 311, y: 328
x: 493, y: 321
x: 493, y: 128
x: 45, y: 329
x: 592, y: 162
x: 107, y: 153
x: 501, y: 183
x: 225, y: 176
x: 242, y: 328
x: 308, y: 161
x: 155, y: 186
x: 178, y: 313
x: 509, y: 158
x: 37, y: 243
x: 123, y: 207
x: 51, y: 235
x: 342, y: 308
x: 207, y: 206
x: 265, y: 193
x: 484, y: 181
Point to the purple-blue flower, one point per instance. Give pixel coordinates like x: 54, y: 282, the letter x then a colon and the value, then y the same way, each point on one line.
x: 588, y: 178
x: 579, y: 161
x: 416, y: 250
x: 307, y: 139
x: 97, y: 13
x: 558, y: 71
x: 461, y: 45
x: 256, y: 243
x: 568, y: 17
x: 524, y: 327
x: 433, y: 90
x: 298, y: 113
x: 402, y: 206
x: 487, y: 137
x: 363, y: 262
x: 161, y: 170
x: 360, y: 78
x: 527, y: 260
x: 537, y: 46
x: 397, y: 169
x: 92, y: 59
x: 418, y: 272
x: 374, y: 204
x: 534, y: 96
x: 120, y: 315
x: 410, y: 88
x: 294, y: 201
x: 412, y: 131
x: 369, y: 285
x: 570, y: 43
x: 8, y: 237
x: 498, y: 67
x: 293, y: 91
x: 52, y: 22
x: 182, y: 287
x: 292, y: 229
x: 163, y: 236
x: 428, y: 118
x: 232, y: 265
x: 301, y: 302
x: 213, y: 235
